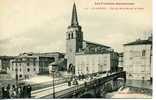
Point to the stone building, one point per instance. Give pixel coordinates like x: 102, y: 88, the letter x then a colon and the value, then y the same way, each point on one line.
x: 74, y: 39
x: 5, y: 62
x: 138, y: 59
x: 95, y: 63
x: 26, y: 65
x: 46, y: 58
x: 75, y: 44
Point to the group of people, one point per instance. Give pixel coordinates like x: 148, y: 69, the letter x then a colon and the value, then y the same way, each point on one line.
x: 82, y: 77
x: 13, y: 91
x: 74, y: 80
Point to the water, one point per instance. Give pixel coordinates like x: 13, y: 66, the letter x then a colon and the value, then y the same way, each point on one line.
x: 139, y: 84
x: 133, y: 89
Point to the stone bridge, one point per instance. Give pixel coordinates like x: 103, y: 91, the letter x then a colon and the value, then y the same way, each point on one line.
x: 95, y: 88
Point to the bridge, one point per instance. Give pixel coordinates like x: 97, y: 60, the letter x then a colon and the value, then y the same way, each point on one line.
x: 96, y: 87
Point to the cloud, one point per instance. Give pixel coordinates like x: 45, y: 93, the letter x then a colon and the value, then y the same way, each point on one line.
x: 41, y: 25
x: 4, y: 41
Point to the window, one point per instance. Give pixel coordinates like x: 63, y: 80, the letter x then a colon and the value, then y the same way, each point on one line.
x: 143, y: 53
x: 72, y: 35
x: 34, y: 62
x: 34, y: 69
x: 68, y: 36
x: 27, y: 63
x: 20, y: 75
x: 28, y: 70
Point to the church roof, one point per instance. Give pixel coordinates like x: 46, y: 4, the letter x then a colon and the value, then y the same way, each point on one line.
x: 88, y: 42
x: 139, y: 42
x: 74, y: 20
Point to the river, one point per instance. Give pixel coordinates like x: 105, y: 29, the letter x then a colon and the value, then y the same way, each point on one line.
x: 133, y: 89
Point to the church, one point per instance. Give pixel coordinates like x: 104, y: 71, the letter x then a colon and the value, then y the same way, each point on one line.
x: 76, y: 46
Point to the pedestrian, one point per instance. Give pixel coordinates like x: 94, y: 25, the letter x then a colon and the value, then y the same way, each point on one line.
x: 2, y: 92
x: 69, y: 83
x: 12, y: 92
x: 24, y: 91
x: 18, y: 92
x: 76, y: 82
x: 8, y: 87
x: 13, y: 87
x: 85, y: 84
x: 29, y: 91
x: 80, y: 77
x: 83, y: 76
x: 5, y: 93
x: 8, y: 91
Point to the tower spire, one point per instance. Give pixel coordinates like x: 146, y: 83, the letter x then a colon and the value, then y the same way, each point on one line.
x: 74, y: 21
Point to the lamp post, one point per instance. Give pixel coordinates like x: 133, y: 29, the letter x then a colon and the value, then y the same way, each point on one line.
x: 76, y: 88
x: 53, y: 83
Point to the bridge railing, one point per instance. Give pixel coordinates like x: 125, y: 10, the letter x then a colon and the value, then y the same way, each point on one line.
x: 74, y: 90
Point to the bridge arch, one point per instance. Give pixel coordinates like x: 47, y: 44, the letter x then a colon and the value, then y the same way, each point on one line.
x: 71, y: 68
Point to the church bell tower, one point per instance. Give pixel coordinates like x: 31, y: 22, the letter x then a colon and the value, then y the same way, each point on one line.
x: 74, y: 40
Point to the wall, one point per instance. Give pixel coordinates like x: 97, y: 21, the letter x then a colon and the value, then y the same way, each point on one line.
x: 136, y: 64
x: 36, y: 63
x: 92, y: 63
x: 25, y: 68
x: 74, y: 38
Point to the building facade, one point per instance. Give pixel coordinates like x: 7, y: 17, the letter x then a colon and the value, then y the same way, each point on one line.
x: 95, y: 63
x: 138, y: 60
x: 75, y: 44
x: 26, y: 65
x: 44, y: 59
x: 5, y: 62
x: 74, y: 39
x: 121, y: 61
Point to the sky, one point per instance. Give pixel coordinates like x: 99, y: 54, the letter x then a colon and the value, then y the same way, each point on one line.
x: 41, y: 25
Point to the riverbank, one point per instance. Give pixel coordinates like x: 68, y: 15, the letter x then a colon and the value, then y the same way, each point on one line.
x: 133, y: 89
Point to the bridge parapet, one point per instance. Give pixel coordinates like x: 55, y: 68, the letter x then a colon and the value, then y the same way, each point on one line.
x: 94, y: 86
x: 78, y: 90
